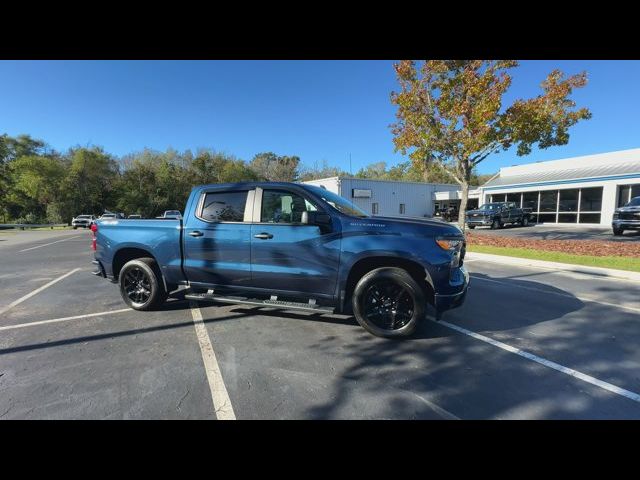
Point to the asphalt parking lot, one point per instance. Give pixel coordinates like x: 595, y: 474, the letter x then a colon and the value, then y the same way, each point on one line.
x: 551, y: 232
x: 528, y: 344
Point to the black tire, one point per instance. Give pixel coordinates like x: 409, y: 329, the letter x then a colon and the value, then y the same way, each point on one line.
x: 141, y: 284
x: 617, y: 231
x: 497, y: 224
x: 471, y: 227
x: 525, y: 221
x: 75, y: 228
x: 376, y: 295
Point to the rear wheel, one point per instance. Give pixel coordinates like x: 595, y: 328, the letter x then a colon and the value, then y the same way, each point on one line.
x: 496, y: 224
x: 471, y: 227
x: 141, y: 284
x: 617, y: 231
x: 525, y: 221
x: 388, y: 302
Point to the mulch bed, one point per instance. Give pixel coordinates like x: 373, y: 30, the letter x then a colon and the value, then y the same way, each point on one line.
x: 576, y: 247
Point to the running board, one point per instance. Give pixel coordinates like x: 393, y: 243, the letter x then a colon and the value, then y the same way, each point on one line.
x: 274, y: 303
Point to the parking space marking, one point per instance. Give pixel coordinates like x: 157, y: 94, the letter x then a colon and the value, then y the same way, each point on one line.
x: 547, y: 363
x: 37, y: 290
x: 64, y: 319
x: 47, y: 244
x: 567, y: 295
x: 221, y: 401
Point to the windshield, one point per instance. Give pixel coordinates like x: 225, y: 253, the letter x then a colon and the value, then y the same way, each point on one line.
x: 491, y: 206
x: 336, y: 201
x: 84, y: 216
x: 635, y: 202
x: 172, y: 212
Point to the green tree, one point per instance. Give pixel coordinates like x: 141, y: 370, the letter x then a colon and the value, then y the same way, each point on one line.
x: 318, y: 171
x: 91, y: 180
x: 276, y: 168
x: 450, y: 113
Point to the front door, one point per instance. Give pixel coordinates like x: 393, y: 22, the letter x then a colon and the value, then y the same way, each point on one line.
x: 286, y: 254
x: 217, y: 241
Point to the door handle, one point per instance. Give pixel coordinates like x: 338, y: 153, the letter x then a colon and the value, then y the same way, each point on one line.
x: 196, y: 233
x: 263, y: 236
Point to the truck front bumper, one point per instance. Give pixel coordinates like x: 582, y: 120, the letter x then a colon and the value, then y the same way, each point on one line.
x: 444, y: 302
x: 626, y: 224
x: 479, y: 221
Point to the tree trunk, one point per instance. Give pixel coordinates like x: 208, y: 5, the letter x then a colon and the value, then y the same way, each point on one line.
x: 463, y: 202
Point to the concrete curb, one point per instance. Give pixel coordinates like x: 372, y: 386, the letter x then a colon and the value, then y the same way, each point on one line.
x: 566, y: 267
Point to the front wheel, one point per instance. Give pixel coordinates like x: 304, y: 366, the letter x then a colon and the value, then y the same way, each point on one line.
x: 388, y: 302
x: 525, y: 221
x: 496, y: 224
x: 471, y: 227
x: 617, y: 231
x: 141, y: 284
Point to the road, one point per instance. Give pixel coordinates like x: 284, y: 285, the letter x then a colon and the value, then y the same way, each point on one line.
x: 527, y: 344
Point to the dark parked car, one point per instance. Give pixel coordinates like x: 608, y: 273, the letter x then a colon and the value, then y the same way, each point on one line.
x: 497, y: 215
x: 627, y: 217
x: 288, y: 246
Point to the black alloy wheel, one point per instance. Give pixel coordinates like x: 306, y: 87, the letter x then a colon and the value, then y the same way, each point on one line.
x: 389, y: 302
x: 137, y: 285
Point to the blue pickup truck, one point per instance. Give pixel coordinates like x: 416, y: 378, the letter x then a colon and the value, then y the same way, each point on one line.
x: 291, y: 246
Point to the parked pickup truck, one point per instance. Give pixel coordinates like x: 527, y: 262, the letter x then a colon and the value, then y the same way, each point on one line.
x: 288, y: 246
x: 627, y: 217
x: 496, y: 215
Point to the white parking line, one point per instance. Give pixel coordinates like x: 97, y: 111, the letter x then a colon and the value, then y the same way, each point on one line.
x: 547, y: 363
x: 584, y: 298
x: 221, y: 401
x: 37, y: 290
x: 47, y: 244
x: 64, y: 319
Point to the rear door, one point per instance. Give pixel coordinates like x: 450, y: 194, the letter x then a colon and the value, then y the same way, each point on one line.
x: 286, y: 254
x: 217, y: 239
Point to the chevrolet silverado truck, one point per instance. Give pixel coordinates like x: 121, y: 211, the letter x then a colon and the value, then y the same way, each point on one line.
x: 497, y: 215
x: 627, y: 217
x: 289, y: 246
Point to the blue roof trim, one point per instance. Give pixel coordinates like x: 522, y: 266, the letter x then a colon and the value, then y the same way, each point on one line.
x: 561, y: 182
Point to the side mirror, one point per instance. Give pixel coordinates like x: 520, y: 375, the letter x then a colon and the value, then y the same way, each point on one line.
x: 315, y: 218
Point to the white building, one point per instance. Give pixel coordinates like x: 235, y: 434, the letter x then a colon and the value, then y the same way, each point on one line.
x: 578, y: 190
x: 389, y: 198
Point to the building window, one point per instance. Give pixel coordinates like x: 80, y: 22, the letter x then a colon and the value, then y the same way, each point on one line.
x: 549, y: 201
x: 589, y: 218
x: 515, y: 198
x: 530, y: 200
x: 591, y: 199
x: 374, y: 209
x: 626, y: 193
x: 568, y: 200
x: 402, y: 209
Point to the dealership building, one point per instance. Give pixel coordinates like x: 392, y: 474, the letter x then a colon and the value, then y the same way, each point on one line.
x: 573, y: 191
x: 387, y: 197
x: 578, y: 190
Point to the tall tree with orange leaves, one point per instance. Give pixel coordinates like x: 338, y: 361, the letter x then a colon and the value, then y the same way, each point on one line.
x: 450, y: 113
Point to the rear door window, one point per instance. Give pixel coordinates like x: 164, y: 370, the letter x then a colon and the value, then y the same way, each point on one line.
x: 224, y: 206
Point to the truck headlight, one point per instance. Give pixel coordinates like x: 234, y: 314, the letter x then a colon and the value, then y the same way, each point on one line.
x: 448, y: 244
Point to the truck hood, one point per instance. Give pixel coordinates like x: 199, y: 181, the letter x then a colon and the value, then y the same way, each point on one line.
x: 405, y: 225
x: 628, y: 209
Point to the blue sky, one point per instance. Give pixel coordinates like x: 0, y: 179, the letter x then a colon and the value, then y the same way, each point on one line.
x: 318, y: 110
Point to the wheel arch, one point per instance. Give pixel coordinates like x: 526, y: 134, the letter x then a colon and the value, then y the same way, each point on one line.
x: 366, y: 264
x: 126, y: 254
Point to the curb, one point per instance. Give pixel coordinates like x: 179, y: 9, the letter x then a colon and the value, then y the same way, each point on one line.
x: 566, y: 267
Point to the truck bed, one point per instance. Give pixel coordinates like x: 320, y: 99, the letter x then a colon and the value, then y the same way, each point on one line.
x: 162, y: 236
